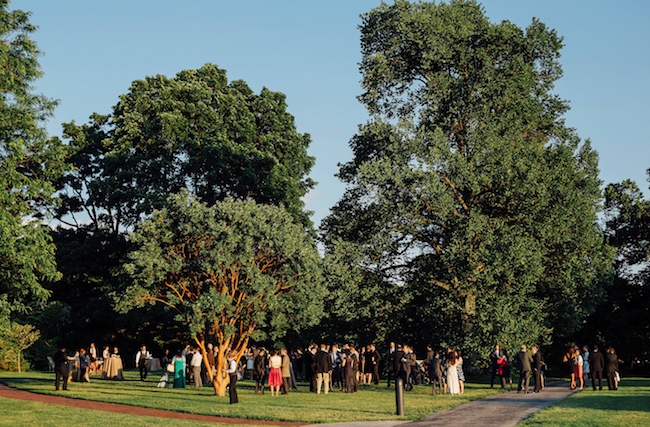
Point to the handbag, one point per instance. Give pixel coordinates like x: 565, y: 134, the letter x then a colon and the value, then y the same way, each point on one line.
x: 170, y: 368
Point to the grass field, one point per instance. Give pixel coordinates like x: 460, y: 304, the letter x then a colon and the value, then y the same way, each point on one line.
x: 371, y: 403
x: 36, y: 414
x: 627, y: 406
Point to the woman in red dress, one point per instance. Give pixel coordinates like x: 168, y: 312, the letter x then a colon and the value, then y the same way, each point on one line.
x: 275, y: 377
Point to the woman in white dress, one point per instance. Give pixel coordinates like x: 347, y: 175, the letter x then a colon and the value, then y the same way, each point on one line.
x: 452, y: 374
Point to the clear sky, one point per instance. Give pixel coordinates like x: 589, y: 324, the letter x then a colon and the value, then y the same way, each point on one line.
x: 309, y: 50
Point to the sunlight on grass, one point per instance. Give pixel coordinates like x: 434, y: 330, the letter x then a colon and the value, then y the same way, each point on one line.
x: 627, y: 406
x: 371, y: 403
x: 23, y: 413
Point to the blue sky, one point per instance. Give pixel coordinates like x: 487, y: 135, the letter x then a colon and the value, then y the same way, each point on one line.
x: 309, y: 50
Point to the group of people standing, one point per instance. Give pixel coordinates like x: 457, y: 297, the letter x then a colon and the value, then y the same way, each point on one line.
x: 585, y: 365
x: 445, y: 375
x: 82, y: 362
x: 530, y: 365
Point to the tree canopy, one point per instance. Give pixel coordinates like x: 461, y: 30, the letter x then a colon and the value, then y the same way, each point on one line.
x: 29, y: 161
x: 232, y: 270
x: 466, y: 189
x: 194, y: 131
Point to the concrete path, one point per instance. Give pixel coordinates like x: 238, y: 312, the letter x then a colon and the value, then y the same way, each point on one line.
x: 502, y: 410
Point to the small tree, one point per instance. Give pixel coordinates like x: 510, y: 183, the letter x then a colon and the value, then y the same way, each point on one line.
x: 14, y: 340
x: 234, y: 270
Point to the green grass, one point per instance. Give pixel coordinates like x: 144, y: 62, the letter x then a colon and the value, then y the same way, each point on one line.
x: 23, y: 413
x: 627, y: 406
x: 371, y: 403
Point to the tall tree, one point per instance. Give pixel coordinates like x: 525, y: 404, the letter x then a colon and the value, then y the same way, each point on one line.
x: 29, y: 161
x: 194, y: 131
x: 466, y: 188
x: 232, y: 270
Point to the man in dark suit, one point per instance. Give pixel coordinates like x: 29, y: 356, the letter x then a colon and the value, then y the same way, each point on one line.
x: 435, y: 372
x: 310, y: 365
x: 611, y: 359
x: 596, y: 364
x: 496, y: 353
x: 537, y: 368
x: 61, y: 368
x: 375, y: 357
x: 323, y: 368
x: 525, y: 362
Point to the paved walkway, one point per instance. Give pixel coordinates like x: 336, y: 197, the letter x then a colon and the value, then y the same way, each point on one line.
x: 501, y: 410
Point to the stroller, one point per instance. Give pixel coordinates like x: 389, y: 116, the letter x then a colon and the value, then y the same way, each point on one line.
x: 164, y: 379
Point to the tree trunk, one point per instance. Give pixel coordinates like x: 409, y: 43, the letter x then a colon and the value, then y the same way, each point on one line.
x: 221, y: 380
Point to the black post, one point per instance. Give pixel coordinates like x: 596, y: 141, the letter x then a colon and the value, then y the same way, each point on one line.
x: 399, y: 395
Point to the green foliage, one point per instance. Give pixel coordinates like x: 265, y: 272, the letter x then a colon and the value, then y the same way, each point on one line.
x: 235, y: 269
x: 466, y: 189
x: 29, y: 162
x: 194, y: 131
x: 14, y: 340
x: 621, y: 317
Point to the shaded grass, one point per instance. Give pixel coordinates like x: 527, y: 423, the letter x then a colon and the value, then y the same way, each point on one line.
x: 371, y: 403
x: 627, y: 406
x: 23, y: 413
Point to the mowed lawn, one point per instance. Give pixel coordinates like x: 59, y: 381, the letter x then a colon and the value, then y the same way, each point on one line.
x: 627, y: 406
x: 23, y: 413
x: 371, y: 403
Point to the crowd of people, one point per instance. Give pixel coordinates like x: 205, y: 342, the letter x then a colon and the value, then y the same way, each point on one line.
x: 327, y: 368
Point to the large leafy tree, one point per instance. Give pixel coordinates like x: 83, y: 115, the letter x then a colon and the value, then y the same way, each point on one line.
x: 29, y: 161
x: 194, y: 131
x: 231, y: 270
x: 466, y: 188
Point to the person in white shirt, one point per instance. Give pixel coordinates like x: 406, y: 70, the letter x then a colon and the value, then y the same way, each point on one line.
x: 142, y: 361
x: 231, y: 370
x: 197, y: 361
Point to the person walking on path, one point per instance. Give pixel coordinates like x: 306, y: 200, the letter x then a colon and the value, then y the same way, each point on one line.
x: 525, y: 362
x: 596, y: 364
x: 61, y: 369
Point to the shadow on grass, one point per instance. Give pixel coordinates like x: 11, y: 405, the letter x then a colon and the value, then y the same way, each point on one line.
x: 610, y: 403
x: 14, y: 381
